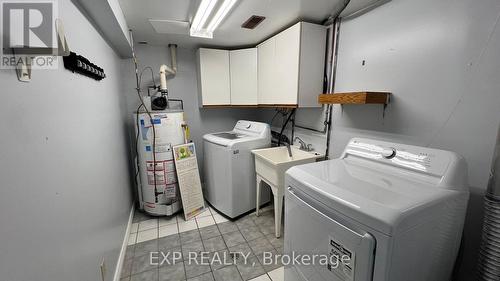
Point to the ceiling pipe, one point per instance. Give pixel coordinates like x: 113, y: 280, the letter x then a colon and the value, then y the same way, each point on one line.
x: 168, y: 70
x: 338, y: 9
x: 331, y: 41
x: 331, y: 84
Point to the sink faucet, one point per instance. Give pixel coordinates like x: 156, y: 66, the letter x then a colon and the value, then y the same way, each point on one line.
x: 289, y: 149
x: 303, y: 145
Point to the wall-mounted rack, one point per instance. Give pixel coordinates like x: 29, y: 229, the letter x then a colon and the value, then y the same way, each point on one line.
x: 365, y: 97
x: 80, y: 64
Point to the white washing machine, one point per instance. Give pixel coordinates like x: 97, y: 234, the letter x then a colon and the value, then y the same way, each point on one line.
x: 395, y: 211
x: 230, y: 169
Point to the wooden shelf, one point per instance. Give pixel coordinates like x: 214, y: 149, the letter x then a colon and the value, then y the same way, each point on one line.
x: 355, y: 98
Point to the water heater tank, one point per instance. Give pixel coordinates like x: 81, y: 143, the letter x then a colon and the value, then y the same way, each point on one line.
x: 157, y: 133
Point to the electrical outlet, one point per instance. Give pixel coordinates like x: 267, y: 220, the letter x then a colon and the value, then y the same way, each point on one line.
x: 102, y: 267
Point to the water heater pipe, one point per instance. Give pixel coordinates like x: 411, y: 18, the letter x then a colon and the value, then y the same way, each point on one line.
x: 168, y: 70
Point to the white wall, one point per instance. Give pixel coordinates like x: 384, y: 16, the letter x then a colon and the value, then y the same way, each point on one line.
x: 184, y: 86
x: 65, y: 190
x: 440, y: 60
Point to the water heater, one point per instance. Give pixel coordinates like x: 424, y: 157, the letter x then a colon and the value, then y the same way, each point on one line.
x: 157, y: 132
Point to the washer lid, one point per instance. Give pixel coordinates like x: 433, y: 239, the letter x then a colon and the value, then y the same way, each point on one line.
x: 229, y: 138
x: 229, y: 135
x: 385, y: 201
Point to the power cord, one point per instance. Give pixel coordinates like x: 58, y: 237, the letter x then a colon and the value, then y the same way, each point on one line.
x: 137, y: 142
x: 138, y: 79
x: 152, y: 77
x: 292, y: 113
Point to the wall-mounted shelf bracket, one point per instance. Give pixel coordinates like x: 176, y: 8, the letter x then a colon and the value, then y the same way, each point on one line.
x: 23, y: 70
x: 385, y: 106
x: 62, y: 43
x: 24, y: 55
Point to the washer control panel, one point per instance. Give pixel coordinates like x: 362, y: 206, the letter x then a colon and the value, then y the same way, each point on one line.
x: 251, y: 127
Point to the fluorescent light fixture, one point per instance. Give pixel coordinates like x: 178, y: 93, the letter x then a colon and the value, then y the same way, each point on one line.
x: 221, y: 14
x: 203, y: 14
x: 200, y: 18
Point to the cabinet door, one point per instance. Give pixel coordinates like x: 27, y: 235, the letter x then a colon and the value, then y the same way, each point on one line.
x: 266, y: 71
x: 243, y: 71
x: 287, y: 66
x: 312, y: 64
x: 213, y: 71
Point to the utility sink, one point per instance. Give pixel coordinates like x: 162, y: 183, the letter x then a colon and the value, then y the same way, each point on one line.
x: 270, y: 167
x: 272, y: 163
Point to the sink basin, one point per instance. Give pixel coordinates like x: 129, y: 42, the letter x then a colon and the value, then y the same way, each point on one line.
x: 272, y: 163
x: 270, y: 166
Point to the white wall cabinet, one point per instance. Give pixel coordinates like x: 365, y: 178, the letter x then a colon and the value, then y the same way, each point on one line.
x: 266, y: 53
x: 243, y: 72
x: 213, y: 77
x: 291, y: 66
x: 285, y: 70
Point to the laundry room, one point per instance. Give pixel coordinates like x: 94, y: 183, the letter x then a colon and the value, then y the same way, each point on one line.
x: 225, y: 140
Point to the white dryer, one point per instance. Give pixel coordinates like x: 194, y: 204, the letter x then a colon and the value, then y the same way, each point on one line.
x: 230, y: 169
x: 397, y: 211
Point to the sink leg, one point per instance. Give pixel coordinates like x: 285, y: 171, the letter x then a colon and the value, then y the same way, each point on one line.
x: 257, y: 199
x: 278, y: 209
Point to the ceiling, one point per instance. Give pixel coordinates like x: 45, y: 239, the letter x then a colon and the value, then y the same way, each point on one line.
x: 279, y: 15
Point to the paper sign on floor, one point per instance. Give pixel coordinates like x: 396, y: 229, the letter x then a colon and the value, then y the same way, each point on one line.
x: 188, y: 177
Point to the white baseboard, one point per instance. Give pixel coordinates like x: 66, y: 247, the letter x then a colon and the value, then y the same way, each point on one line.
x: 119, y: 263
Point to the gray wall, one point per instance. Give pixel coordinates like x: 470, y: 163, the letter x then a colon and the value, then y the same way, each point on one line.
x: 184, y: 86
x: 440, y: 60
x: 65, y: 191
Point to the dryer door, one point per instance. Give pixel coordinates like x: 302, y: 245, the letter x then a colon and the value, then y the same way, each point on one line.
x: 312, y: 229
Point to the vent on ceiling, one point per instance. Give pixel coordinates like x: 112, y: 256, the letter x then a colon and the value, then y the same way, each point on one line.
x: 170, y: 26
x: 252, y: 22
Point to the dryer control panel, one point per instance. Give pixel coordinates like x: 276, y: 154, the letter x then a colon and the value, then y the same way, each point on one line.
x: 430, y: 161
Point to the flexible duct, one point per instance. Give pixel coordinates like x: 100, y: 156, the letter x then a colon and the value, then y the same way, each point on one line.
x: 489, y: 253
x: 494, y: 187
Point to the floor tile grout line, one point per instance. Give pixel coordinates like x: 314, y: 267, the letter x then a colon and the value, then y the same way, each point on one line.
x: 182, y: 254
x: 218, y: 228
x: 196, y: 221
x: 227, y: 247
x: 203, y: 245
x: 240, y: 244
